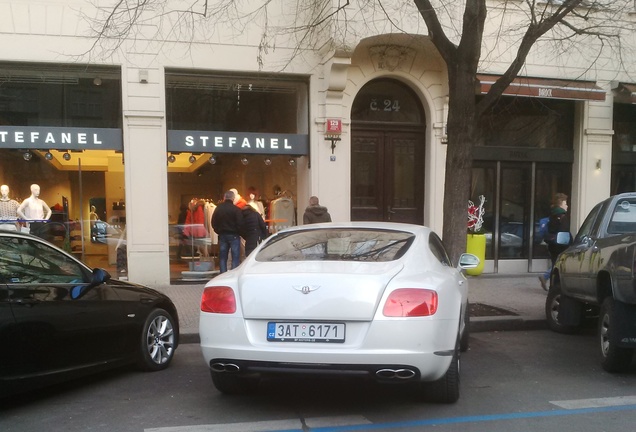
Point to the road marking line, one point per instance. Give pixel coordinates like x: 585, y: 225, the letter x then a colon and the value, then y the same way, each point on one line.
x: 360, y: 423
x: 271, y: 425
x: 467, y: 420
x: 596, y: 402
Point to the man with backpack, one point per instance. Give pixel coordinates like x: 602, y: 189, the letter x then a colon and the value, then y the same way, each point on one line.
x: 559, y: 221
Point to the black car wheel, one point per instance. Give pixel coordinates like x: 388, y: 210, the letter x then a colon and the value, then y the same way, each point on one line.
x: 445, y: 389
x: 555, y: 304
x: 613, y: 358
x: 464, y: 341
x: 158, y: 341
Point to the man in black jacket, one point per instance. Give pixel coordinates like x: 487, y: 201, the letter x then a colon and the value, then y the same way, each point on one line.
x: 254, y: 228
x: 227, y: 222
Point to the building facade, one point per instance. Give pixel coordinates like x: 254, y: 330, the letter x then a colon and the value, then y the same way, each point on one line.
x: 132, y: 147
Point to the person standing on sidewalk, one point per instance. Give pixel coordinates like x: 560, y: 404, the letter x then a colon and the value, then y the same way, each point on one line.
x: 227, y: 222
x: 559, y: 222
x: 315, y: 213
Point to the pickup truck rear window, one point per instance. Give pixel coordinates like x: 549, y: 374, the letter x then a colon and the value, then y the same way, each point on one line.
x: 623, y: 217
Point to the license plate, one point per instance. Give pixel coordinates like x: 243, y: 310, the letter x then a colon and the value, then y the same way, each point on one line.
x: 305, y: 332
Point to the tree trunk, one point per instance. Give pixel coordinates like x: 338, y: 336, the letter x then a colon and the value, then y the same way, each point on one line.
x: 459, y: 159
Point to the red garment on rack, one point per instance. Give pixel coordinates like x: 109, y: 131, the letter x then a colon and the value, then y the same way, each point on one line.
x: 195, y: 221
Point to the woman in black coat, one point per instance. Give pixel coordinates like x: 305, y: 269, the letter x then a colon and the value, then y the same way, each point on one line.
x: 254, y: 228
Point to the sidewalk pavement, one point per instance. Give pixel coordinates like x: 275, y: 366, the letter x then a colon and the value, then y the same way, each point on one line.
x: 498, y: 303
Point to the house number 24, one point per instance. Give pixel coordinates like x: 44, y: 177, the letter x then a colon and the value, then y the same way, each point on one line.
x: 385, y: 105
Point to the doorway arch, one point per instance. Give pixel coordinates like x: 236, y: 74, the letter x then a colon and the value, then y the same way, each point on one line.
x: 387, y: 153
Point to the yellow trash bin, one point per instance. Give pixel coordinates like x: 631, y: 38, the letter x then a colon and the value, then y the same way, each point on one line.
x: 476, y: 245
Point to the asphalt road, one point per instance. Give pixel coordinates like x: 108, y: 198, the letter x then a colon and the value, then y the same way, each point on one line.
x: 511, y: 381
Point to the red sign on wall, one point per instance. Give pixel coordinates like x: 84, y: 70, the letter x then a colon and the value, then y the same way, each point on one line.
x: 334, y: 126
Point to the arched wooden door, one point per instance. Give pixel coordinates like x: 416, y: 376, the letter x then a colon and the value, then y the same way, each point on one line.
x: 387, y: 154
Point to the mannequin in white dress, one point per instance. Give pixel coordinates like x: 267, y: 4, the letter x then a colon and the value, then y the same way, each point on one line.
x: 8, y: 211
x: 35, y: 211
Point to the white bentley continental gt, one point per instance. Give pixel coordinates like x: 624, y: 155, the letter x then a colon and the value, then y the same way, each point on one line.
x: 361, y: 299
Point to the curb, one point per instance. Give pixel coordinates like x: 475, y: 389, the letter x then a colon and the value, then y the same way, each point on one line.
x: 188, y: 338
x: 507, y: 323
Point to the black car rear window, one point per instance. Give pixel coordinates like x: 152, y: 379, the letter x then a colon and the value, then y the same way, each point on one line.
x: 337, y: 244
x: 623, y: 219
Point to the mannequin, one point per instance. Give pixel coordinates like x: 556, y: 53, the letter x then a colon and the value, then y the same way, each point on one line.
x: 256, y: 204
x: 8, y: 211
x: 35, y: 212
x: 93, y: 217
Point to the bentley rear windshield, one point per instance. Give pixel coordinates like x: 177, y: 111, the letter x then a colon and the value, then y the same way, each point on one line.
x: 337, y: 244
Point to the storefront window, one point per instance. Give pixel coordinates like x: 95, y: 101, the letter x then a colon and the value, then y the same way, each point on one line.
x: 624, y: 149
x: 60, y: 129
x: 523, y: 156
x: 529, y: 122
x: 235, y: 103
x: 248, y: 133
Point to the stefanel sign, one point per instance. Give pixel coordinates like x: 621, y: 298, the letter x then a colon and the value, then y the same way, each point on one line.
x: 60, y: 138
x: 237, y: 142
x: 69, y: 138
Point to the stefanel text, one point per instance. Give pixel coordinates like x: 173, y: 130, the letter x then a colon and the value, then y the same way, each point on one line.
x: 50, y: 138
x: 237, y: 143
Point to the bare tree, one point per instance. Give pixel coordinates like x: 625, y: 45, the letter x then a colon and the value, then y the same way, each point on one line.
x: 596, y: 30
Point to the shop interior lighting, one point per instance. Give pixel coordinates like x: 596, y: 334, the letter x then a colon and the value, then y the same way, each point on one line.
x: 66, y: 156
x: 192, y: 159
x: 27, y: 155
x: 97, y: 81
x: 212, y: 159
x: 244, y: 160
x: 48, y: 155
x: 172, y: 158
x: 292, y: 161
x: 268, y: 161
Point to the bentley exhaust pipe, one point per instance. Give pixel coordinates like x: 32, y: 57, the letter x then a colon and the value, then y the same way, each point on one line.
x: 225, y: 367
x: 401, y: 374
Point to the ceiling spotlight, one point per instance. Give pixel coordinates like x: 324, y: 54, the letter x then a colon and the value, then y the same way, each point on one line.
x: 244, y: 161
x: 27, y: 155
x: 172, y: 158
x: 97, y: 81
x: 67, y: 156
x: 48, y: 155
x: 268, y: 161
x: 192, y: 159
x: 212, y: 159
x: 292, y: 161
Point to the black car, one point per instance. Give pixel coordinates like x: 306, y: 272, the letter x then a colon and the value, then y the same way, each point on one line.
x: 59, y: 319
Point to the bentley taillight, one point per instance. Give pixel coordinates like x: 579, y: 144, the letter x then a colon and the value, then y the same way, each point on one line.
x: 411, y: 302
x: 218, y: 299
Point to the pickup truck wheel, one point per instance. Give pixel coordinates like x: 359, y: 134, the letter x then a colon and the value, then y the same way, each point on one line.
x: 554, y: 305
x: 613, y: 357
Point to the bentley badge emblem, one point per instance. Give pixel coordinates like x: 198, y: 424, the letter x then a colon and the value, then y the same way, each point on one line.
x: 305, y: 289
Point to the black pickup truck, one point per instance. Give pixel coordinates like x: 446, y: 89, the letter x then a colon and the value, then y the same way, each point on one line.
x: 595, y: 276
